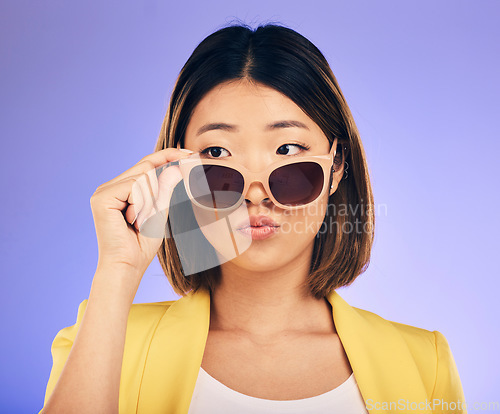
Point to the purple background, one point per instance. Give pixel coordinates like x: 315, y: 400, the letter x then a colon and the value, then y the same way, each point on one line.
x: 84, y: 90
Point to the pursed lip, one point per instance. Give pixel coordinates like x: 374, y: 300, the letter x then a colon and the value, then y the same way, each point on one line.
x: 258, y: 221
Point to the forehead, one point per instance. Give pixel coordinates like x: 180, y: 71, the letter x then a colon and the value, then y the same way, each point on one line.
x: 248, y: 105
x: 226, y: 95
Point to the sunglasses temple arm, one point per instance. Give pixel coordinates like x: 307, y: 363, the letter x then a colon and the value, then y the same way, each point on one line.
x: 333, y: 149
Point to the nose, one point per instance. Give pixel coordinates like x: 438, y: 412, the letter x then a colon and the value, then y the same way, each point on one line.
x: 256, y: 194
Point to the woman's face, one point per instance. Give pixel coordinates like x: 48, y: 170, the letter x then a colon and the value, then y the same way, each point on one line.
x: 265, y: 126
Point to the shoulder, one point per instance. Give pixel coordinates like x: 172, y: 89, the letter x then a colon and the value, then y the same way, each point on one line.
x: 387, y: 338
x: 149, y: 309
x: 141, y: 316
x: 137, y: 308
x: 138, y: 311
x: 429, y: 350
x: 434, y: 360
x: 402, y: 353
x: 146, y: 316
x: 421, y: 342
x: 410, y: 332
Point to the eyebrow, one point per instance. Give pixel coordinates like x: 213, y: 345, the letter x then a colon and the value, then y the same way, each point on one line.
x: 287, y: 124
x: 233, y: 128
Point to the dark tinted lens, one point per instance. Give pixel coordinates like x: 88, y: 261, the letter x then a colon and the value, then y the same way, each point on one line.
x: 216, y: 186
x: 297, y: 184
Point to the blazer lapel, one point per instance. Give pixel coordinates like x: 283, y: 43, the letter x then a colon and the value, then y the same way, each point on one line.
x: 175, y: 356
x: 382, y: 364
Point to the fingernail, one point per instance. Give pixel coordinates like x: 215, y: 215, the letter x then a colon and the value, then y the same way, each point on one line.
x: 186, y: 150
x: 135, y: 218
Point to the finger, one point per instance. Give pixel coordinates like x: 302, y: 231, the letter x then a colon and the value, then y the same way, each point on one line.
x: 167, y: 181
x: 150, y: 162
x: 153, y: 182
x: 153, y: 224
x: 113, y: 197
x: 159, y: 192
x: 136, y: 202
x: 147, y: 206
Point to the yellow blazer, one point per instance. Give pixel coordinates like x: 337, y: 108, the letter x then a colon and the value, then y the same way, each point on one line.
x: 398, y: 368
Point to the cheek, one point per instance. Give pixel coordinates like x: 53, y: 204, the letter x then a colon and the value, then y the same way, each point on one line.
x: 305, y: 223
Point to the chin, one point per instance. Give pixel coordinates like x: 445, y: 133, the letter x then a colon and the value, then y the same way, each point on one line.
x: 266, y: 256
x: 260, y: 259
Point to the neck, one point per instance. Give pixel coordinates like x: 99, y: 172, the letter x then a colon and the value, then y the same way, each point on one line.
x: 270, y: 303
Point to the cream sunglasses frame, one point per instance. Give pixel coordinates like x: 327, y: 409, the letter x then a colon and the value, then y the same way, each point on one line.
x: 249, y: 177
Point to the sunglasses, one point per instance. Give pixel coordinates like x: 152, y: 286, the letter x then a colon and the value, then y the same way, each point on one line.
x: 291, y: 183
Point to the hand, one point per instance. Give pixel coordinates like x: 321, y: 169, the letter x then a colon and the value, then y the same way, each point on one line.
x: 121, y: 205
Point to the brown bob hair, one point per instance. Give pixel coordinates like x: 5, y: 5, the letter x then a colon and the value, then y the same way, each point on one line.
x: 281, y: 58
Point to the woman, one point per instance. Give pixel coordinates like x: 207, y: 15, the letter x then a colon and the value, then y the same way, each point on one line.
x: 265, y: 331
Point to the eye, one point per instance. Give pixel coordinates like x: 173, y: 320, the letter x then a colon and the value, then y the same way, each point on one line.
x: 214, y: 152
x: 288, y: 149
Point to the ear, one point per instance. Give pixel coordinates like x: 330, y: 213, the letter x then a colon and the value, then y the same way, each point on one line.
x: 338, y: 170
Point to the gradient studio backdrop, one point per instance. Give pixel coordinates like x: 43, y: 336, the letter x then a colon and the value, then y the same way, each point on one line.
x: 85, y: 86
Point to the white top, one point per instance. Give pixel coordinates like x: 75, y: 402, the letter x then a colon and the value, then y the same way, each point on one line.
x: 212, y: 397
